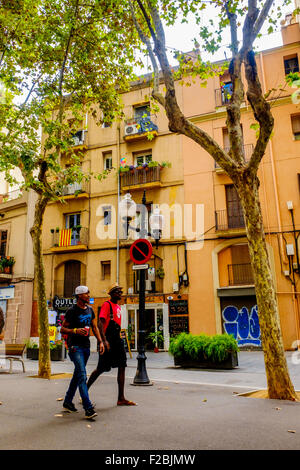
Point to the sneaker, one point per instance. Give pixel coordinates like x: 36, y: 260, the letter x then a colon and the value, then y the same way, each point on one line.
x: 90, y: 413
x: 69, y: 407
x: 80, y: 401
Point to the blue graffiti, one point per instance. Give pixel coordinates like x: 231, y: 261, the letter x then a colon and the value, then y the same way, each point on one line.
x: 244, y: 327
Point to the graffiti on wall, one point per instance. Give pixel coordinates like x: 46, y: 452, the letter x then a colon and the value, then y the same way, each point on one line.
x: 244, y: 326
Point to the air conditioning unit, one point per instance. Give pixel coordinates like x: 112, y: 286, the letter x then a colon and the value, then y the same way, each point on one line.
x: 131, y: 129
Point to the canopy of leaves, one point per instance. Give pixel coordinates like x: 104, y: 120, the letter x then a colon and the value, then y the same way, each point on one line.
x: 59, y: 59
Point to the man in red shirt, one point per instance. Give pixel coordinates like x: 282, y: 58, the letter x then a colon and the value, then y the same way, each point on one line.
x: 109, y: 324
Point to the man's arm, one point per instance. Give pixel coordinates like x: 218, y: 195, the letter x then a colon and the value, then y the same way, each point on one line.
x: 101, y: 322
x: 66, y: 330
x: 98, y: 335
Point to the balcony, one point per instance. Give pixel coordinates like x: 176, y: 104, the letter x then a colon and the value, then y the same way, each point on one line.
x: 10, y: 196
x: 247, y: 152
x: 240, y: 274
x: 6, y: 267
x: 230, y: 224
x: 76, y: 190
x: 138, y: 128
x: 79, y: 140
x: 223, y: 96
x: 140, y: 177
x: 65, y: 288
x: 70, y: 239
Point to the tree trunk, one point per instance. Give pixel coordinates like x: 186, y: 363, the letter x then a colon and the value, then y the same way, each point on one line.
x: 278, y: 379
x: 36, y: 231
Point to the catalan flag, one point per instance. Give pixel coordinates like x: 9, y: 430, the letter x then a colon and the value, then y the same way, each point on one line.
x: 65, y: 237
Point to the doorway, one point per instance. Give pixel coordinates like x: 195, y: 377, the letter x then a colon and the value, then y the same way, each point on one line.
x: 154, y: 321
x: 72, y: 277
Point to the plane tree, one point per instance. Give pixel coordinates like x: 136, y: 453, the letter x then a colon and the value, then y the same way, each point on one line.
x: 245, y: 20
x: 59, y: 60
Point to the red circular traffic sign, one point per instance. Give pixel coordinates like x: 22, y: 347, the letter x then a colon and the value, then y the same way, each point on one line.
x: 140, y: 251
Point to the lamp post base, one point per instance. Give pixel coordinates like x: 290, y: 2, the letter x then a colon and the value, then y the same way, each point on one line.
x: 141, y: 376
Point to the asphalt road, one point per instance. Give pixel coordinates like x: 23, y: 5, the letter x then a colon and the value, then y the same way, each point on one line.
x: 182, y: 410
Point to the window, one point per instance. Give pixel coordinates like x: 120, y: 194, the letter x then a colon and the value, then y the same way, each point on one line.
x: 141, y: 111
x: 105, y: 270
x: 226, y: 91
x: 105, y: 125
x: 107, y: 215
x: 295, y: 120
x: 226, y: 142
x: 78, y: 138
x: 107, y: 158
x: 3, y: 242
x: 72, y: 220
x: 140, y: 159
x: 291, y: 64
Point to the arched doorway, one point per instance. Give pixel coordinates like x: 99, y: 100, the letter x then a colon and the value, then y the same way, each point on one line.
x: 72, y: 277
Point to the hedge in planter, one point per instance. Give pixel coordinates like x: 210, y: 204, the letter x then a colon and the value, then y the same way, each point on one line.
x: 202, y: 351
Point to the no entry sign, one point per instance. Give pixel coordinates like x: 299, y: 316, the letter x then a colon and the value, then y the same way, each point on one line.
x: 140, y: 251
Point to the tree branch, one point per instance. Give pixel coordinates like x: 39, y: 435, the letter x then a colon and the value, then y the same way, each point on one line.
x: 261, y: 110
x: 233, y: 30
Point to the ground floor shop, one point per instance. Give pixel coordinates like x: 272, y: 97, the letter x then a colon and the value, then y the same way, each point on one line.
x: 16, y: 304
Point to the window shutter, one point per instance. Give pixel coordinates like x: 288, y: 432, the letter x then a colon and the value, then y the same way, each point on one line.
x: 296, y: 123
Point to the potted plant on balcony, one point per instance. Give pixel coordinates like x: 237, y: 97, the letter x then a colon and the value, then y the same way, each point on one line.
x: 2, y: 265
x: 7, y: 264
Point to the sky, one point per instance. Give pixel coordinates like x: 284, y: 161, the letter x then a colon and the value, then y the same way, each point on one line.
x: 180, y: 37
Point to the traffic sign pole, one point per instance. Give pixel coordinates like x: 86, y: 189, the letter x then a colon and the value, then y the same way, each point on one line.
x: 140, y: 252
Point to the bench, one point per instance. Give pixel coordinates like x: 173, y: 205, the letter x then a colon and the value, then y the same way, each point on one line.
x: 12, y: 352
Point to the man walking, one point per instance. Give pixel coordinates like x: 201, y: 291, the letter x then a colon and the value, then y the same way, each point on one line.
x: 76, y: 325
x: 109, y: 324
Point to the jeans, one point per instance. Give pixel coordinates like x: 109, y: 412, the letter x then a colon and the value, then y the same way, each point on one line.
x: 80, y: 357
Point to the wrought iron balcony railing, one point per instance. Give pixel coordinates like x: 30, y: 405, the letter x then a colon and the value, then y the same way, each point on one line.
x: 140, y: 176
x: 225, y: 221
x: 70, y: 237
x: 240, y: 274
x: 247, y: 151
x: 139, y: 126
x: 76, y: 188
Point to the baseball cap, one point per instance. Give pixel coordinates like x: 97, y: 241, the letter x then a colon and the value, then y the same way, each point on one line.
x: 81, y: 290
x: 114, y: 287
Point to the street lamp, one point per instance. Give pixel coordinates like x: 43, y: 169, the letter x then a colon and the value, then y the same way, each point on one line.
x: 127, y: 211
x: 156, y: 223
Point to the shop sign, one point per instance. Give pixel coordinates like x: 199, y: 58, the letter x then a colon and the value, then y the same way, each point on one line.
x: 7, y: 293
x: 63, y: 303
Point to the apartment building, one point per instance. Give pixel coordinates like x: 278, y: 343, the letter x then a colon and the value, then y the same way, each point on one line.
x: 199, y: 277
x: 221, y: 291
x: 16, y: 261
x: 83, y: 233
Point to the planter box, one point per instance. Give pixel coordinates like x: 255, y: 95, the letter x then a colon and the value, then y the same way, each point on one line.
x: 32, y: 353
x: 230, y: 363
x: 55, y: 354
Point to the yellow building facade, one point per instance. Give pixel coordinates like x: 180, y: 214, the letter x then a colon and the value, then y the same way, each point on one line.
x: 221, y: 291
x: 199, y: 277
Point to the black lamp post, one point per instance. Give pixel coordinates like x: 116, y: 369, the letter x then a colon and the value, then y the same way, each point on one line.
x: 141, y: 376
x: 156, y: 221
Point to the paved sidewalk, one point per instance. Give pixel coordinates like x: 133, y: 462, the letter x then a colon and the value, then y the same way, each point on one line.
x: 183, y: 410
x: 250, y: 373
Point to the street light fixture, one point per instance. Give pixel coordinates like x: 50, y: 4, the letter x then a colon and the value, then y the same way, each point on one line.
x: 127, y: 206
